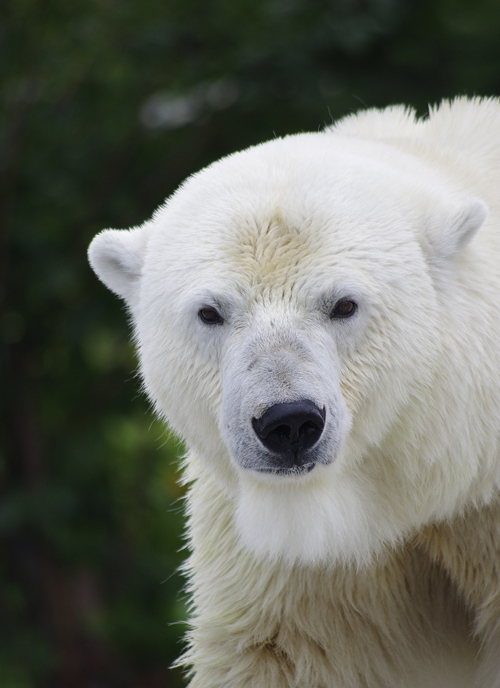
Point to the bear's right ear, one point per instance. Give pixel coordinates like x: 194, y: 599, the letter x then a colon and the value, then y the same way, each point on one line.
x: 117, y: 256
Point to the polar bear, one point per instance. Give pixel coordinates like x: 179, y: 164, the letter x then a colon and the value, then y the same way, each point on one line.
x: 318, y: 318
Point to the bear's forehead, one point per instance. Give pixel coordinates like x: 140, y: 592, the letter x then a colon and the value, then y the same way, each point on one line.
x: 280, y: 250
x: 270, y: 251
x: 275, y: 224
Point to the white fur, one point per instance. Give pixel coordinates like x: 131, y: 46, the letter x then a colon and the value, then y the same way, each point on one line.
x: 378, y: 566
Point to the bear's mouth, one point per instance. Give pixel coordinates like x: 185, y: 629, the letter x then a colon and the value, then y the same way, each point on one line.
x: 288, y: 470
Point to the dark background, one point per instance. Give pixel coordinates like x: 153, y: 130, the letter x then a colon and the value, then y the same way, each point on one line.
x: 106, y: 105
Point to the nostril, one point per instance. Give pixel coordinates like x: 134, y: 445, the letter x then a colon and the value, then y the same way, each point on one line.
x: 308, y: 428
x: 284, y: 432
x: 290, y: 427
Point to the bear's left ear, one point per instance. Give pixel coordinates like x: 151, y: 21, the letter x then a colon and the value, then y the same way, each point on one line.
x: 447, y: 235
x: 117, y: 256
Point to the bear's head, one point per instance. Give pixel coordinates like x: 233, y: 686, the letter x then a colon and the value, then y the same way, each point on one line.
x: 288, y: 306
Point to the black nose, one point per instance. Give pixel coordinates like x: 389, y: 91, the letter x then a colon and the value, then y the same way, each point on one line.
x: 285, y: 428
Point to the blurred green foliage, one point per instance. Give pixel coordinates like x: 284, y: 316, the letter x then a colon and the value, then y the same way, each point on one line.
x: 106, y: 105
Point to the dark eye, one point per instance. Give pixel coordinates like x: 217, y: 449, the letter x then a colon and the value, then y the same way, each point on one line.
x: 210, y: 316
x: 344, y: 309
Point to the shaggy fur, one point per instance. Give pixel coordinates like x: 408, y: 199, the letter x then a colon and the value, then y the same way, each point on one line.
x: 380, y: 567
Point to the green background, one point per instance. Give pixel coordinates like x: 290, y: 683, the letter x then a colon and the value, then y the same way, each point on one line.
x: 106, y: 105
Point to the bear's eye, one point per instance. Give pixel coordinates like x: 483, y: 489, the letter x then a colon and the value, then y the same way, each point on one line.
x: 344, y: 309
x: 210, y: 316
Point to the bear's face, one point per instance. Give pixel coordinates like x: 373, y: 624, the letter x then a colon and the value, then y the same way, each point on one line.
x: 286, y: 314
